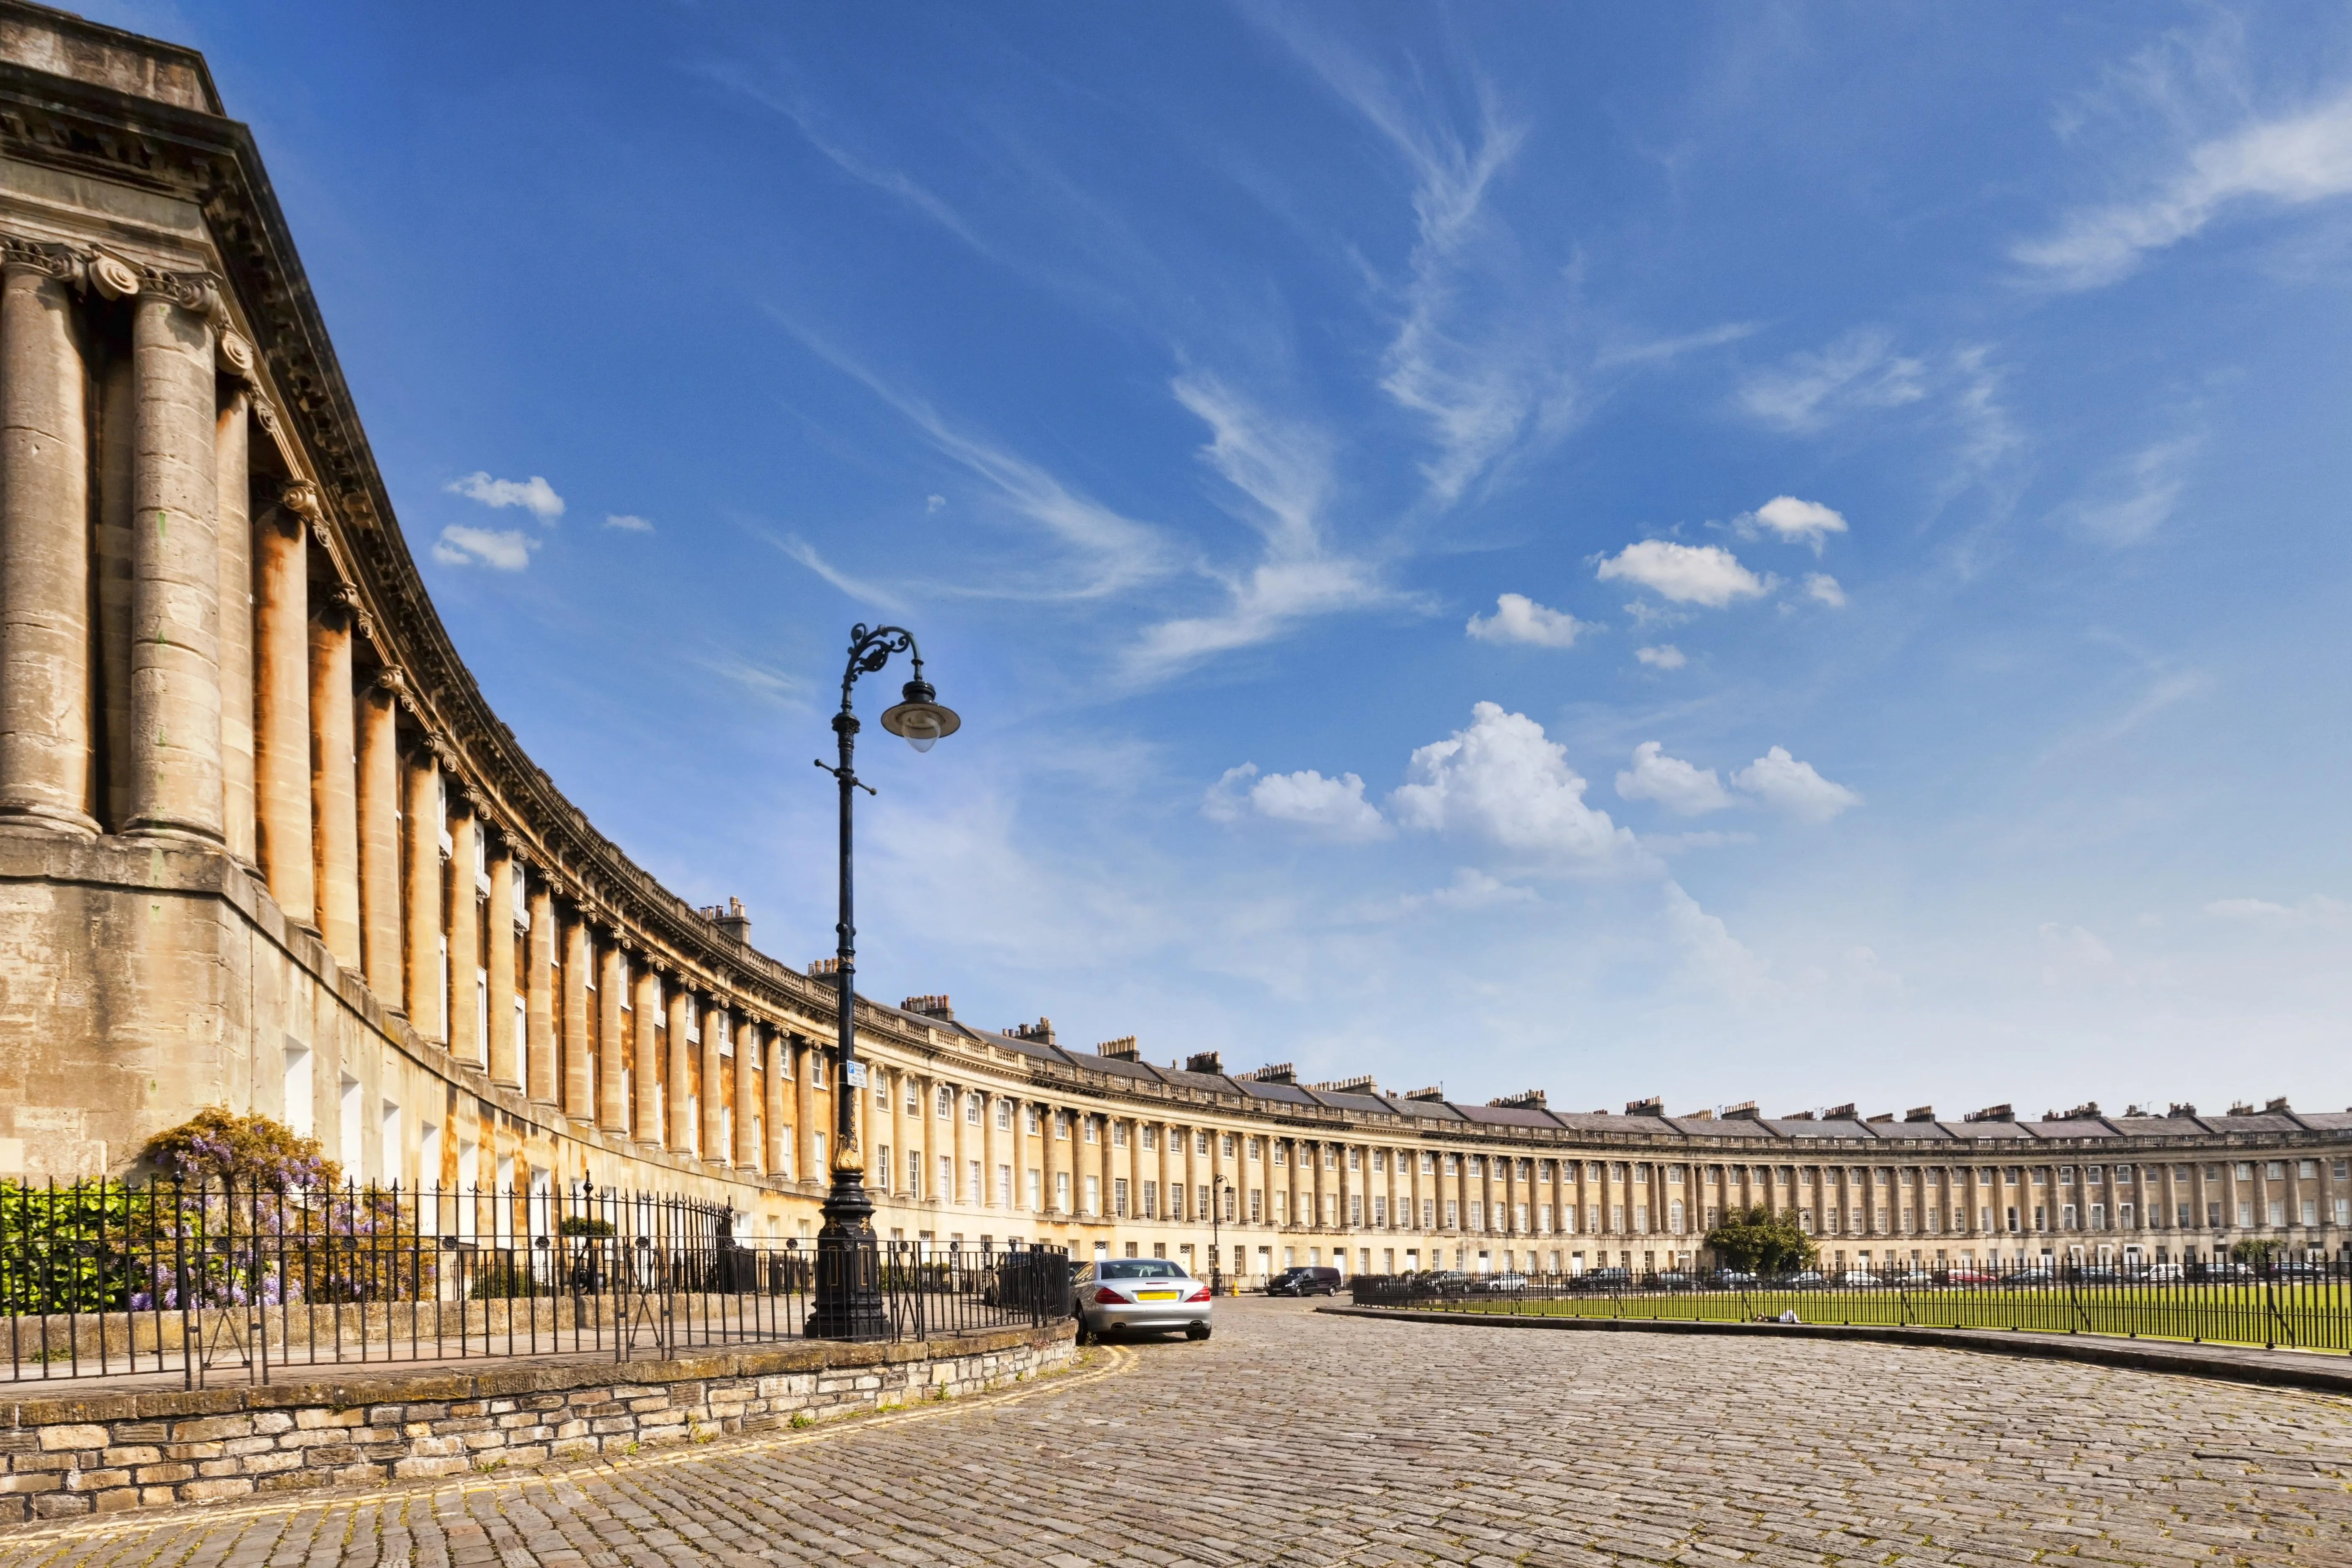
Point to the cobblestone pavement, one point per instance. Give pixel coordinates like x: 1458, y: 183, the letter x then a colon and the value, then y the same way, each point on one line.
x: 1295, y: 1438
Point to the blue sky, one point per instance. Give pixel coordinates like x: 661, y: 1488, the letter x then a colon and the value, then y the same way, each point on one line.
x: 1779, y: 552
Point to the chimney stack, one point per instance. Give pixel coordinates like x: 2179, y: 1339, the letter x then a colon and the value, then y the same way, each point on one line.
x: 929, y: 1007
x: 1209, y: 1062
x: 1042, y: 1031
x: 1526, y: 1099
x: 1275, y: 1072
x: 732, y: 922
x: 1123, y: 1049
x: 1654, y: 1106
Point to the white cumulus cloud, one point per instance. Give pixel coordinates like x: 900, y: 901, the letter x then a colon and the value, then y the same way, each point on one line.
x: 1326, y: 807
x: 502, y: 550
x: 1799, y: 521
x: 2292, y: 161
x: 1503, y: 780
x: 1665, y: 655
x: 1783, y: 782
x: 534, y: 494
x: 1519, y: 618
x: 1820, y: 585
x: 1687, y: 573
x: 1678, y: 785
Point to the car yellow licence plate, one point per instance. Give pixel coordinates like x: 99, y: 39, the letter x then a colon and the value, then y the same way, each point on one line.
x: 1155, y: 1295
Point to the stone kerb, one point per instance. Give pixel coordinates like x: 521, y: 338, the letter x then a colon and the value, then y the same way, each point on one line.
x: 104, y: 1452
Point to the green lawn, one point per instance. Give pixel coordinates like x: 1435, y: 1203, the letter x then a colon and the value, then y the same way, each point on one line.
x: 2315, y: 1317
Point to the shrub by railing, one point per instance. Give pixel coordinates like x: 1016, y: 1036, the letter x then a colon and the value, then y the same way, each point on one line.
x: 2302, y: 1305
x: 206, y: 1279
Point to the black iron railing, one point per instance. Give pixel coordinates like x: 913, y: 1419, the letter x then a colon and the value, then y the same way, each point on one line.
x: 211, y: 1281
x: 2300, y: 1305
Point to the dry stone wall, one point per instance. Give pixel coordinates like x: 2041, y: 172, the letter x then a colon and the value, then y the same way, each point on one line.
x: 105, y: 1452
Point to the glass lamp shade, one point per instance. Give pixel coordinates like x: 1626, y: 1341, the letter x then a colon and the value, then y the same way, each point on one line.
x: 919, y: 721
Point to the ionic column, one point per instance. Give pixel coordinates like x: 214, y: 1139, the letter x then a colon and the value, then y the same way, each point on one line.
x: 899, y: 1082
x: 747, y: 1095
x: 281, y: 662
x: 648, y: 1006
x: 538, y: 999
x: 504, y: 1068
x: 427, y: 991
x: 776, y: 1155
x: 378, y: 776
x: 334, y: 784
x: 464, y: 904
x: 714, y: 1085
x: 806, y: 1166
x: 46, y: 701
x: 612, y: 1041
x: 175, y: 700
x: 578, y: 1082
x: 232, y: 489
x: 680, y: 1091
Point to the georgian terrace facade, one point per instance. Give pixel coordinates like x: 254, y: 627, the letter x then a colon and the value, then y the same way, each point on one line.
x: 996, y: 1138
x: 263, y: 844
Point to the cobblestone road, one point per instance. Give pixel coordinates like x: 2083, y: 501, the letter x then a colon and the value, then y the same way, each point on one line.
x: 1294, y: 1438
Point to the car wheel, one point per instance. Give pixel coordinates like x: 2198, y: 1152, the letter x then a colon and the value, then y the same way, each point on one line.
x: 1086, y: 1336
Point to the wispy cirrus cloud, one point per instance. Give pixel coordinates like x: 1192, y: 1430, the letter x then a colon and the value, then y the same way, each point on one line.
x: 1860, y: 370
x: 1108, y: 552
x: 1477, y: 349
x: 865, y: 592
x: 2288, y: 161
x: 1277, y: 478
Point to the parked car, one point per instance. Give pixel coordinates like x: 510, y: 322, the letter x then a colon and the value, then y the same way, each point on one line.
x: 2161, y: 1273
x: 1674, y: 1279
x: 1857, y: 1279
x: 1733, y: 1279
x: 1804, y: 1279
x: 1604, y: 1279
x: 1140, y: 1295
x: 1304, y: 1282
x: 1969, y: 1276
x: 1505, y: 1282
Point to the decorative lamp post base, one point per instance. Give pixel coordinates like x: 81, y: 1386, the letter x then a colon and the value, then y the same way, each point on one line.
x: 848, y: 1303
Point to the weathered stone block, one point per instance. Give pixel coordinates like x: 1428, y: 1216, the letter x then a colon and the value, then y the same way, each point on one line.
x: 54, y: 1438
x: 225, y: 1486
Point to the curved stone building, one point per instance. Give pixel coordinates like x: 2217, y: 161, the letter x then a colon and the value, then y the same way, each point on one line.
x: 263, y: 844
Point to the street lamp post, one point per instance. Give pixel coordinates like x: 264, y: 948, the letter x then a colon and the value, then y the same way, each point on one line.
x: 848, y: 1270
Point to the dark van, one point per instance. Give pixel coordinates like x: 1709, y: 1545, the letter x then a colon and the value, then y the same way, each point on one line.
x: 1304, y: 1282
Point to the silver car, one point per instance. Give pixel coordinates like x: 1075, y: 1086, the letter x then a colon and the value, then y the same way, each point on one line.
x: 1140, y: 1295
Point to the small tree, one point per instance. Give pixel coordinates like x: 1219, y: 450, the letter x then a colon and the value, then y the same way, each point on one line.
x: 2258, y: 1250
x: 245, y: 1151
x: 1756, y: 1238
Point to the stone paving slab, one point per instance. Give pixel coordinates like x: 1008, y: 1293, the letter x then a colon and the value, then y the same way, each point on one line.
x: 2326, y: 1371
x: 1294, y: 1437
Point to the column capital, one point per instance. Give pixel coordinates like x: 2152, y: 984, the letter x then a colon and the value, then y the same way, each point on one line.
x: 301, y: 498
x: 62, y: 262
x: 235, y: 354
x: 198, y: 293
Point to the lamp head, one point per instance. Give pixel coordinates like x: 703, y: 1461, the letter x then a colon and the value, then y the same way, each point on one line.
x: 920, y: 719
